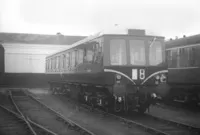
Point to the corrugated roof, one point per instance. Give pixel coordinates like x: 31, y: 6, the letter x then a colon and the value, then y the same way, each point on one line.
x: 38, y: 38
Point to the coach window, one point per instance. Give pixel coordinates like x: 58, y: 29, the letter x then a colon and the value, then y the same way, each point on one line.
x: 169, y: 58
x: 63, y: 61
x: 118, y: 52
x: 76, y: 57
x: 73, y: 58
x: 192, y: 59
x: 48, y: 63
x: 80, y: 56
x: 89, y: 56
x: 183, y: 59
x: 51, y: 64
x: 137, y: 52
x: 60, y: 61
x: 196, y: 56
x: 57, y: 62
x: 155, y: 53
x: 174, y: 58
x: 67, y: 61
x: 54, y: 63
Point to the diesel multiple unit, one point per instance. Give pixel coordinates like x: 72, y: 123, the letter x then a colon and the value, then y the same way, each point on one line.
x: 120, y: 72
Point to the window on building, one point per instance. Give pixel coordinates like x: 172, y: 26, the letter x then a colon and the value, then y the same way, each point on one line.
x: 137, y: 52
x: 118, y: 52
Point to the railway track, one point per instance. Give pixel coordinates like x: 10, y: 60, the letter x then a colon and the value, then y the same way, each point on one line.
x: 6, y: 101
x: 46, y: 116
x: 11, y: 124
x: 9, y: 105
x: 152, y: 124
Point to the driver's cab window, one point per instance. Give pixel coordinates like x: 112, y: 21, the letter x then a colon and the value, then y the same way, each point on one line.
x: 118, y: 52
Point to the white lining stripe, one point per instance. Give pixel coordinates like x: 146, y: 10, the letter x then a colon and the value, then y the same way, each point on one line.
x: 184, y: 68
x: 162, y: 71
x: 118, y: 72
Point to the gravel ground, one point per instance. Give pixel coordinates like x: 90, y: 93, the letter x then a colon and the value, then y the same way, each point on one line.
x: 101, y: 125
x: 179, y: 115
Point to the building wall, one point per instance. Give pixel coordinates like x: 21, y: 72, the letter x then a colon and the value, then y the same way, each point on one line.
x: 25, y: 64
x: 28, y: 58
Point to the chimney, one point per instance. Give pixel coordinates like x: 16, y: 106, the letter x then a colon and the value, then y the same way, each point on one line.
x: 136, y: 32
x: 60, y: 38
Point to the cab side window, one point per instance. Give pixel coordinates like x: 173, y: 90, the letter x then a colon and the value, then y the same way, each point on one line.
x: 89, y: 55
x: 97, y: 52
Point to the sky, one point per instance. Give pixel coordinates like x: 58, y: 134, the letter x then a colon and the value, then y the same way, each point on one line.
x: 167, y: 18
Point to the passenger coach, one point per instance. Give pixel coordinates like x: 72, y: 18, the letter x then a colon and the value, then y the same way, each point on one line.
x: 183, y: 66
x: 120, y: 72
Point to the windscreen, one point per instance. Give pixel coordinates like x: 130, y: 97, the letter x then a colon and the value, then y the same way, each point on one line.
x: 118, y: 52
x: 137, y: 52
x: 155, y: 53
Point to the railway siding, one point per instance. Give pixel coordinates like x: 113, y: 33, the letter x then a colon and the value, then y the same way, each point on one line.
x: 49, y: 119
x: 12, y: 123
x: 97, y: 123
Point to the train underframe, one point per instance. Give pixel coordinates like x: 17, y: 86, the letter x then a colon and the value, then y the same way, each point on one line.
x: 105, y: 97
x: 189, y: 94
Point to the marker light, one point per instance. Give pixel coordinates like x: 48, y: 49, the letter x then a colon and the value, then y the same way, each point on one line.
x: 157, y: 77
x: 163, y: 78
x: 153, y: 95
x: 119, y: 99
x: 118, y: 76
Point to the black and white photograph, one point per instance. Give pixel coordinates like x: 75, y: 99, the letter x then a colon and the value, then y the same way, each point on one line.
x: 99, y: 67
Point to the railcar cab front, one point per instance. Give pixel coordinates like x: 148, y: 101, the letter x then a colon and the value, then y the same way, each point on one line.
x: 137, y: 64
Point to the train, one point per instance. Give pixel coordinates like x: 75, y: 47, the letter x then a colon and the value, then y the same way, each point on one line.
x: 183, y: 70
x: 116, y: 72
x: 2, y: 69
